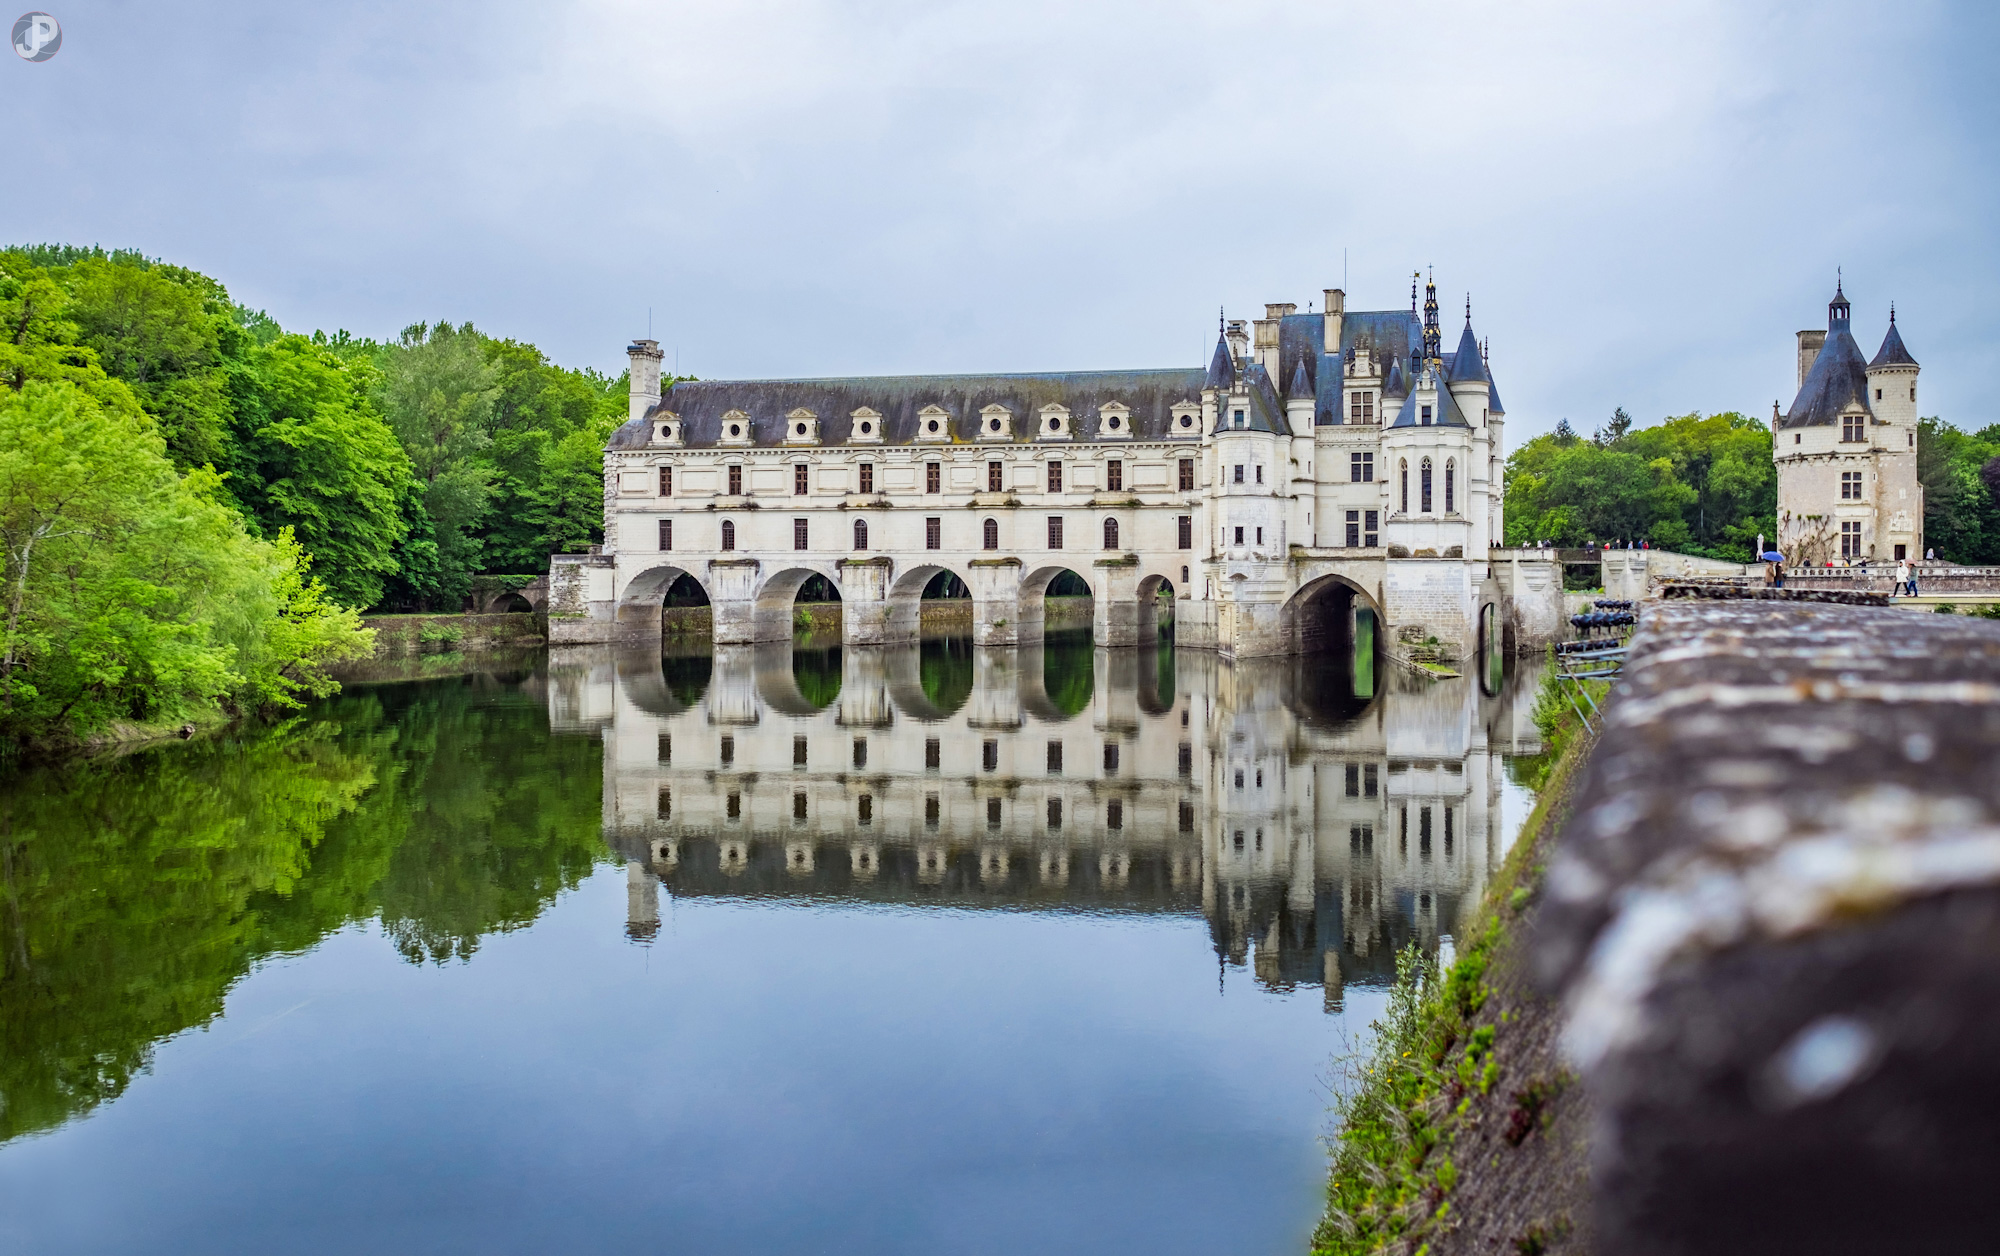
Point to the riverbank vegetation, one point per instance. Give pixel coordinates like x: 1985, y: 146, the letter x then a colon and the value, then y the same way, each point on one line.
x: 196, y: 500
x: 1456, y: 1127
x: 1960, y: 472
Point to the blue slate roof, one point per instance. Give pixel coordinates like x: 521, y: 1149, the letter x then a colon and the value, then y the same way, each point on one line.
x: 1221, y: 367
x: 1301, y: 385
x: 1466, y: 363
x: 1839, y: 376
x: 1444, y: 414
x: 1396, y: 385
x: 898, y: 398
x: 1892, y: 352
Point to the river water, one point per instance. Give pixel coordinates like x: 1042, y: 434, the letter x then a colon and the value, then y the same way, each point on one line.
x: 930, y: 950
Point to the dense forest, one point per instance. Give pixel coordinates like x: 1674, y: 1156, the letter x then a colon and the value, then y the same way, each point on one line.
x: 194, y: 502
x: 1705, y: 485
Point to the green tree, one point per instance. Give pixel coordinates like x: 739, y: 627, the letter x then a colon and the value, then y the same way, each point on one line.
x: 437, y: 394
x: 158, y: 328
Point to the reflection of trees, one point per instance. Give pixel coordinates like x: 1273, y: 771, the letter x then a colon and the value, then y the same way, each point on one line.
x: 1068, y: 664
x: 944, y: 668
x: 817, y: 673
x: 687, y: 675
x: 134, y: 893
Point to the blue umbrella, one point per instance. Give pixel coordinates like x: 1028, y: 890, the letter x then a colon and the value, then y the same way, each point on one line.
x: 1773, y: 556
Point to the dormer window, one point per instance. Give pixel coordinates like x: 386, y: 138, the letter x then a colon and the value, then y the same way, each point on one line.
x: 866, y: 426
x: 1184, y: 417
x: 1361, y: 406
x: 933, y: 424
x: 802, y: 427
x: 1236, y: 419
x: 1114, y: 420
x: 736, y: 428
x: 1424, y: 416
x: 1852, y: 427
x: 996, y: 422
x: 666, y: 428
x: 1053, y: 422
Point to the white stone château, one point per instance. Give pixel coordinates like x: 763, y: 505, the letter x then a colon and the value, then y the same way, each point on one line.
x: 1846, y: 451
x: 1325, y: 465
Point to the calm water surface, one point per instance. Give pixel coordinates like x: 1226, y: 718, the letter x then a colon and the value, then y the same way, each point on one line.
x: 777, y: 950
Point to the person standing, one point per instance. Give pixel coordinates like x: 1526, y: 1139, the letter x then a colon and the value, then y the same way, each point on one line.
x: 1902, y: 578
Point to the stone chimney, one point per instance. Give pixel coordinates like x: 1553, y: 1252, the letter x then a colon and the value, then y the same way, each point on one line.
x: 645, y: 356
x: 1810, y: 342
x: 1267, y: 339
x: 1239, y: 341
x: 1336, y: 314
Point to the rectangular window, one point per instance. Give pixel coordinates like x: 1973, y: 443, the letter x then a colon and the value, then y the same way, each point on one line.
x: 933, y: 753
x: 1114, y: 814
x: 1187, y: 759
x: 864, y: 809
x: 799, y: 473
x: 666, y: 481
x: 1426, y: 416
x: 1236, y: 419
x: 933, y: 477
x: 1850, y: 486
x: 1187, y: 817
x: 663, y: 805
x: 1110, y: 756
x: 1902, y: 552
x: 995, y: 478
x: 992, y: 813
x: 798, y: 534
x: 1368, y: 407
x: 798, y: 752
x: 1055, y: 813
x: 1260, y: 473
x: 1423, y: 832
x: 1353, y: 529
x: 1184, y: 530
x: 1850, y: 539
x: 1361, y: 468
x: 867, y: 477
x: 1370, y: 782
x: 930, y: 811
x: 666, y: 535
x: 1239, y: 536
x: 934, y: 533
x: 798, y: 807
x: 1055, y: 476
x: 1851, y: 427
x: 1055, y: 532
x: 1354, y: 407
x: 665, y: 750
x: 732, y: 806
x: 735, y: 479
x: 1369, y: 519
x: 1260, y: 536
x: 860, y: 753
x: 989, y: 755
x: 1353, y: 774
x: 1187, y: 475
x: 1114, y: 476
x: 1055, y: 758
x: 1239, y: 473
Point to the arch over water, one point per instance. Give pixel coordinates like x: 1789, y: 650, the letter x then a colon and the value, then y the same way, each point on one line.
x: 1333, y: 616
x: 1037, y: 585
x: 778, y: 594
x: 1156, y: 609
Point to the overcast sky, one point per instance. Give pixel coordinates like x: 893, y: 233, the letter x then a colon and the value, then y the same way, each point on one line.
x: 1644, y: 201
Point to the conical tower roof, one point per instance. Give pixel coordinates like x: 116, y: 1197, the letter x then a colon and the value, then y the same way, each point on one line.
x: 1892, y: 352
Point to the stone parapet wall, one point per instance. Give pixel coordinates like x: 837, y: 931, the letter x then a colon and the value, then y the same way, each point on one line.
x: 402, y: 636
x: 1774, y: 919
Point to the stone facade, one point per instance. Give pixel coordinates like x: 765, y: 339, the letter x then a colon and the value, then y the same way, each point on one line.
x: 1846, y: 451
x: 1324, y: 466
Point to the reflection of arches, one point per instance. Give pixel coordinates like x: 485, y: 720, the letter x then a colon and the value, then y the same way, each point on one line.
x: 1068, y: 676
x: 794, y: 681
x: 642, y: 679
x: 1492, y: 661
x: 929, y: 680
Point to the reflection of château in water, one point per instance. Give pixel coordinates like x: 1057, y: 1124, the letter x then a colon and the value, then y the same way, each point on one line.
x: 1317, y: 831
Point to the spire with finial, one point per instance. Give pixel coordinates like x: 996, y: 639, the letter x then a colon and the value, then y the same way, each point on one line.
x: 1837, y: 309
x: 1468, y: 309
x: 1414, y: 276
x: 1433, y: 342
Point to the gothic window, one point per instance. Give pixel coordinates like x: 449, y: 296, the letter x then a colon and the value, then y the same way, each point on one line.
x: 666, y: 481
x: 995, y: 480
x: 1404, y: 470
x: 861, y: 534
x: 1187, y: 475
x: 1114, y: 476
x: 798, y: 534
x: 1111, y: 534
x: 867, y: 471
x: 736, y: 479
x: 728, y: 535
x: 1850, y: 486
x: 933, y: 533
x: 799, y: 473
x: 933, y: 477
x: 1424, y: 486
x: 990, y: 534
x: 666, y: 535
x: 1450, y: 486
x: 1361, y: 468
